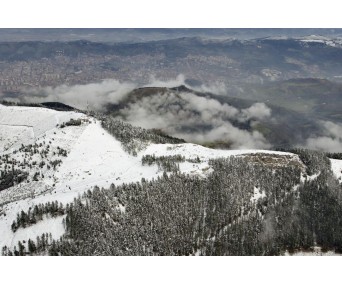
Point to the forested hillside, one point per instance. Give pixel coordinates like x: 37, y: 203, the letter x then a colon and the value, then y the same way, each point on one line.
x: 87, y: 184
x: 239, y: 209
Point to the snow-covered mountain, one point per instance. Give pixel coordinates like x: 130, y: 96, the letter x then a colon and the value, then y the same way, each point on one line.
x: 48, y: 155
x: 324, y: 40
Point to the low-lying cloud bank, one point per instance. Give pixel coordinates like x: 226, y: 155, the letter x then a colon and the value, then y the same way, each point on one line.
x: 186, y: 115
x: 198, y: 119
x: 96, y: 95
x: 331, y: 142
x: 93, y: 96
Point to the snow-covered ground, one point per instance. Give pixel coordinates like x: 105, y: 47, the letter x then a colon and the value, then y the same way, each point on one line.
x: 13, y: 135
x: 94, y: 158
x: 316, y: 251
x: 336, y: 166
x: 191, y: 151
x: 333, y: 42
x: 53, y: 226
x: 258, y: 193
x: 28, y: 123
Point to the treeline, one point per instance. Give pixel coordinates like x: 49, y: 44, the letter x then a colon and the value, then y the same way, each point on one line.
x: 71, y: 122
x: 164, y: 163
x: 134, y: 139
x: 50, y: 105
x: 14, y: 171
x: 9, y: 103
x: 42, y: 149
x: 322, y: 211
x: 178, y: 214
x: 314, y: 161
x: 337, y: 156
x: 35, y: 214
x: 43, y: 245
x: 9, y: 178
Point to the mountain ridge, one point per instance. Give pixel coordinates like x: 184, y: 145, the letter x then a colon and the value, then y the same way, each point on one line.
x: 90, y: 158
x: 284, y: 127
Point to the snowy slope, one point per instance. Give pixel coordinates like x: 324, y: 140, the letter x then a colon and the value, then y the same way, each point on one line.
x: 333, y: 42
x: 192, y: 151
x: 54, y: 226
x: 94, y: 157
x: 336, y: 166
x: 28, y: 123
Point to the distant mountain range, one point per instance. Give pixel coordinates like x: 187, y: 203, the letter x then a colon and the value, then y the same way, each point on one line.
x: 141, y: 35
x: 234, y: 62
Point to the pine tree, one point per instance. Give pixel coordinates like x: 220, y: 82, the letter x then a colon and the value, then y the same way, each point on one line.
x: 22, y: 249
x: 31, y: 246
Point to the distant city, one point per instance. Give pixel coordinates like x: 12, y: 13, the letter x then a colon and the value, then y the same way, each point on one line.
x: 30, y: 59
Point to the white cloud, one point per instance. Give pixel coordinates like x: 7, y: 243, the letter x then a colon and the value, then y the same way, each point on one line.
x: 94, y: 95
x: 332, y: 142
x: 257, y: 111
x: 217, y: 88
x: 209, y: 107
x: 187, y: 115
x: 155, y: 82
x: 194, y: 118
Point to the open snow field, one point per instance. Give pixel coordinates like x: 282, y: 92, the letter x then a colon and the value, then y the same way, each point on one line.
x: 316, y: 251
x: 25, y: 124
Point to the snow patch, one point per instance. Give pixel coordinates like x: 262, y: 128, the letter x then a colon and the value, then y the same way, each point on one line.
x: 304, y: 178
x: 257, y: 194
x: 336, y: 167
x: 47, y: 225
x: 36, y: 122
x: 316, y: 251
x: 122, y: 208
